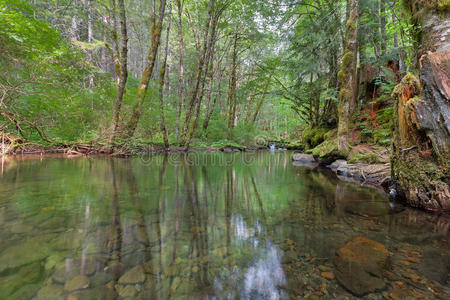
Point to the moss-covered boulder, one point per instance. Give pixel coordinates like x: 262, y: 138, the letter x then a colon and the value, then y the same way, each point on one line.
x: 327, y: 152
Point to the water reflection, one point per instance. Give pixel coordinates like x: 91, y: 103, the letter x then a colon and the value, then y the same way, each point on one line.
x: 108, y: 228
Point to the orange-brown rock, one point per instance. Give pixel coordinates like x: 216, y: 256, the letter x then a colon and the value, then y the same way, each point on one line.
x: 360, y: 264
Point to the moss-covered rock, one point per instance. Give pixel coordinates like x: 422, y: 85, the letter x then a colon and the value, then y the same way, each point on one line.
x: 328, y: 152
x: 314, y: 136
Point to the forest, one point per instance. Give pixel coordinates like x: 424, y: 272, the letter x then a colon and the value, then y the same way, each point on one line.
x: 200, y: 73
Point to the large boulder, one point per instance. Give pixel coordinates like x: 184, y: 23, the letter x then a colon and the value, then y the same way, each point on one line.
x: 360, y: 265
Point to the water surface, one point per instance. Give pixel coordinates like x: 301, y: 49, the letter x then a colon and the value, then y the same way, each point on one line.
x: 202, y: 226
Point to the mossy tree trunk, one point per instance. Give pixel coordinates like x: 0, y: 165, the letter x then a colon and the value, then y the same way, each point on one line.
x: 122, y: 71
x: 181, y: 64
x: 162, y: 78
x: 347, y: 77
x: 420, y: 162
x: 232, y: 88
x: 148, y: 71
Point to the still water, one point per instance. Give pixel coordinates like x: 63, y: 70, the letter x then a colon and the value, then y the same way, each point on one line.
x: 202, y: 226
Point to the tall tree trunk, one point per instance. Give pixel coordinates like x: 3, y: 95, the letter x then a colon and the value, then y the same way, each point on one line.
x: 216, y: 97
x: 90, y: 39
x: 148, y: 71
x: 208, y: 52
x: 198, y: 77
x: 347, y: 77
x: 401, y: 63
x: 181, y: 65
x: 421, y: 148
x: 162, y: 76
x: 383, y: 27
x: 210, y: 87
x: 232, y: 88
x: 123, y: 74
x: 261, y: 100
x: 74, y: 29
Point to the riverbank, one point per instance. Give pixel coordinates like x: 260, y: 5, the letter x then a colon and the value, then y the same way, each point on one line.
x: 377, y: 175
x: 21, y: 147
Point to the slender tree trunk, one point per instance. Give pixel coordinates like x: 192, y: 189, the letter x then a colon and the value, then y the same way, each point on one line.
x: 181, y: 66
x: 383, y: 27
x: 123, y: 74
x: 202, y: 58
x: 74, y: 29
x: 148, y: 71
x: 401, y: 64
x: 232, y: 88
x: 347, y: 77
x: 210, y: 87
x: 90, y: 39
x: 209, y: 54
x: 216, y: 97
x: 261, y: 100
x: 162, y: 77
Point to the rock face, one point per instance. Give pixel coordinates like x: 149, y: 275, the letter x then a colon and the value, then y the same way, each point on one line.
x: 421, y: 153
x: 360, y: 265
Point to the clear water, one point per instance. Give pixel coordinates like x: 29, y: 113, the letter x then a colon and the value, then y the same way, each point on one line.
x: 203, y: 226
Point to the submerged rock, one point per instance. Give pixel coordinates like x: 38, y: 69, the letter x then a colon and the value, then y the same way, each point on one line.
x: 77, y: 283
x: 133, y: 276
x: 50, y: 292
x: 360, y: 265
x: 23, y: 254
x: 126, y: 291
x: 25, y: 292
x: 71, y: 268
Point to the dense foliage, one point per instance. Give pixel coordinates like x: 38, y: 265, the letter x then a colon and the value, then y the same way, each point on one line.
x: 199, y: 72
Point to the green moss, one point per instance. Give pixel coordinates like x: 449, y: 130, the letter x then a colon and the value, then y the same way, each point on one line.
x: 226, y: 143
x: 327, y: 152
x: 330, y: 134
x: 312, y: 137
x: 370, y: 158
x: 416, y: 8
x: 420, y: 179
x: 351, y: 23
x: 325, y: 148
x: 409, y: 80
x: 346, y: 61
x: 443, y: 5
x: 345, y: 94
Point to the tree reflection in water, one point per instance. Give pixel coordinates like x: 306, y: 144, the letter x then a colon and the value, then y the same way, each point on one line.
x: 259, y: 230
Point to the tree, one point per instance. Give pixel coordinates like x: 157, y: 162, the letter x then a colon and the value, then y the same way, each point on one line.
x: 422, y: 141
x: 347, y: 77
x: 123, y: 70
x: 162, y: 77
x: 148, y: 71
